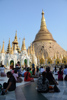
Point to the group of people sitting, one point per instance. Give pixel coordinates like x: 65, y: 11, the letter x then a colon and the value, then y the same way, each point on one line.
x: 45, y: 79
x: 62, y: 71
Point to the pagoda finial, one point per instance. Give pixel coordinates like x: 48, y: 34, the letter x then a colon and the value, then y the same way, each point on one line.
x: 16, y: 35
x: 2, y: 48
x: 43, y: 23
x: 23, y: 45
x: 16, y: 32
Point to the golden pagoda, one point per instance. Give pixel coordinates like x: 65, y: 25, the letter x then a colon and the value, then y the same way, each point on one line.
x: 43, y: 34
x: 9, y: 47
x: 15, y: 43
x: 44, y: 41
x: 23, y: 45
x: 2, y: 51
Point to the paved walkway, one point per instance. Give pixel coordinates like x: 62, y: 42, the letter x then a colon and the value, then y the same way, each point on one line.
x: 27, y: 91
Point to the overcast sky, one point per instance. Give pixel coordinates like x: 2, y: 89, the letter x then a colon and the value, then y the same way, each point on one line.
x: 25, y: 17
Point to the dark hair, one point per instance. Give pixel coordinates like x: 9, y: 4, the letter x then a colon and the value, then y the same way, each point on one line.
x: 60, y: 71
x: 29, y: 68
x: 2, y: 66
x: 11, y: 75
x: 15, y: 71
x: 48, y: 69
x: 44, y: 77
x: 65, y: 66
x: 27, y: 73
x: 55, y: 69
x: 37, y: 69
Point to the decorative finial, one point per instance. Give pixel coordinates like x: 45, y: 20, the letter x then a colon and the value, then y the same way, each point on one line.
x: 42, y: 12
x: 16, y: 31
x: 16, y: 34
x: 43, y: 23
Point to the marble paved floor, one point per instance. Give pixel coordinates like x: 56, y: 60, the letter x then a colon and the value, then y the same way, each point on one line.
x: 50, y: 96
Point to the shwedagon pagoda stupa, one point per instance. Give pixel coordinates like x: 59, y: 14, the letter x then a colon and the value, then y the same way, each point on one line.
x: 45, y: 45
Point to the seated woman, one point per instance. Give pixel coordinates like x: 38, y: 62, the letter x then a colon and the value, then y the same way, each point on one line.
x: 60, y: 74
x: 43, y: 83
x: 17, y: 78
x: 27, y: 76
x: 50, y: 77
x: 55, y: 71
x: 2, y: 70
x: 11, y: 84
x: 37, y: 73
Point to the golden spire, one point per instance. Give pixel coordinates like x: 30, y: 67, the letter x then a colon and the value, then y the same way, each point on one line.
x: 12, y: 49
x: 15, y: 36
x: 9, y: 47
x: 33, y: 49
x: 2, y: 48
x: 43, y: 23
x: 23, y: 45
x: 15, y: 40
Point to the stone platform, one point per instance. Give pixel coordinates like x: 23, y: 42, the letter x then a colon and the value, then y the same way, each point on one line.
x: 27, y: 91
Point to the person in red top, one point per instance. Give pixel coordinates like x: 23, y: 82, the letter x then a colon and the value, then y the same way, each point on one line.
x: 27, y: 76
x: 60, y: 74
